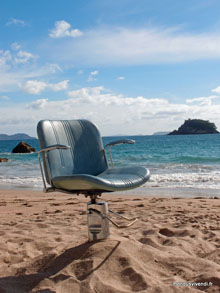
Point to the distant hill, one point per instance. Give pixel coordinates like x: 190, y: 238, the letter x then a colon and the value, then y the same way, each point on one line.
x: 195, y: 126
x: 16, y: 136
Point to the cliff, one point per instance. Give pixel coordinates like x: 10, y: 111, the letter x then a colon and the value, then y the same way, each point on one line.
x: 195, y: 126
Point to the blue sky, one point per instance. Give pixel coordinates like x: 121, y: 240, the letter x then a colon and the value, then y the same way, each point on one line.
x: 133, y: 67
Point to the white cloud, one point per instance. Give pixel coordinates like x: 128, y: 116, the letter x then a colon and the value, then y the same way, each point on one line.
x: 122, y: 46
x: 94, y: 72
x: 15, y: 46
x: 216, y: 90
x: 5, y: 58
x: 38, y: 104
x: 8, y: 58
x: 121, y: 78
x: 112, y: 113
x: 23, y: 57
x: 35, y: 87
x: 202, y: 100
x: 63, y: 29
x: 17, y: 22
x: 92, y: 75
x: 139, y: 114
x: 12, y: 78
x: 60, y: 86
x: 49, y: 68
x: 17, y: 66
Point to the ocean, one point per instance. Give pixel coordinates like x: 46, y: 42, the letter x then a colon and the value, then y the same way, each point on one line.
x: 177, y: 162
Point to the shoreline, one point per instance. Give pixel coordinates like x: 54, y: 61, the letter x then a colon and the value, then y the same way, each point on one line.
x: 169, y: 192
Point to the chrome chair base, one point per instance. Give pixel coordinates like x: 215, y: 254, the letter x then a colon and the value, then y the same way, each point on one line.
x: 98, y: 224
x: 98, y: 220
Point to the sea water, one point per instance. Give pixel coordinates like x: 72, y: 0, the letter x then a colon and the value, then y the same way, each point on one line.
x: 187, y: 161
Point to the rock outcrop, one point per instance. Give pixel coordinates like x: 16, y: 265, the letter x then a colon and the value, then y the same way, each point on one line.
x: 195, y: 126
x: 3, y: 160
x: 23, y: 147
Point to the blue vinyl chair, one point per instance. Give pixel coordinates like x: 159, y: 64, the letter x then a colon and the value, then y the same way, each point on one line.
x: 75, y: 161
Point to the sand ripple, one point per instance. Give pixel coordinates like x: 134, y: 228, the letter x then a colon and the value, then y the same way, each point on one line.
x: 44, y: 248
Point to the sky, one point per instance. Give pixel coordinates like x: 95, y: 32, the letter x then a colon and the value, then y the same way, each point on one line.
x: 131, y: 67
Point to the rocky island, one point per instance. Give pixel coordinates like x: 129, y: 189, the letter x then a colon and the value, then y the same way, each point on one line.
x: 195, y: 126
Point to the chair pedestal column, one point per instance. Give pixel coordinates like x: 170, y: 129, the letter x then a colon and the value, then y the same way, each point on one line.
x: 98, y: 224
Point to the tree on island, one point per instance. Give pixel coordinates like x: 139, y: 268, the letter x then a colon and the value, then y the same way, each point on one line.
x: 195, y: 126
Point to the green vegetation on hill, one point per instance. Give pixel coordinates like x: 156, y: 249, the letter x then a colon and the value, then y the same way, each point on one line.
x: 195, y: 126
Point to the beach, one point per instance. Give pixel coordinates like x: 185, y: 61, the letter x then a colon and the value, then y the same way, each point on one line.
x: 173, y: 247
x: 116, y: 96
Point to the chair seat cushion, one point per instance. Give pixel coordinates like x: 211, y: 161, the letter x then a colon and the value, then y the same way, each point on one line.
x: 114, y: 179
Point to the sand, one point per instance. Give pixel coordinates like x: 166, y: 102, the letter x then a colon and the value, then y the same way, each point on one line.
x: 173, y: 247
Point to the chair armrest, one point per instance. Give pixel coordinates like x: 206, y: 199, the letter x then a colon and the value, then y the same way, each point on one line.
x: 44, y: 153
x: 117, y: 142
x: 121, y: 141
x: 55, y: 147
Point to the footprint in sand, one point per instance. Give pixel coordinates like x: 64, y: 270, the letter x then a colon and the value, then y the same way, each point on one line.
x: 42, y: 263
x: 141, y: 205
x: 58, y: 211
x: 213, y: 256
x: 83, y: 269
x: 58, y: 239
x: 148, y: 232
x: 166, y: 232
x: 133, y: 279
x: 42, y: 225
x: 123, y: 261
x: 169, y: 233
x: 149, y: 241
x: 209, y: 235
x: 135, y: 199
x: 168, y: 242
x: 121, y: 212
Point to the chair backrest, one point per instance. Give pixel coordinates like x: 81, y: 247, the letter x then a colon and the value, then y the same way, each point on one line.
x: 86, y: 153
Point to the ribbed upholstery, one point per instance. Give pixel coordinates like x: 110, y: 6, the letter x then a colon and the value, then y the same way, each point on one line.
x: 86, y: 155
x: 83, y: 166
